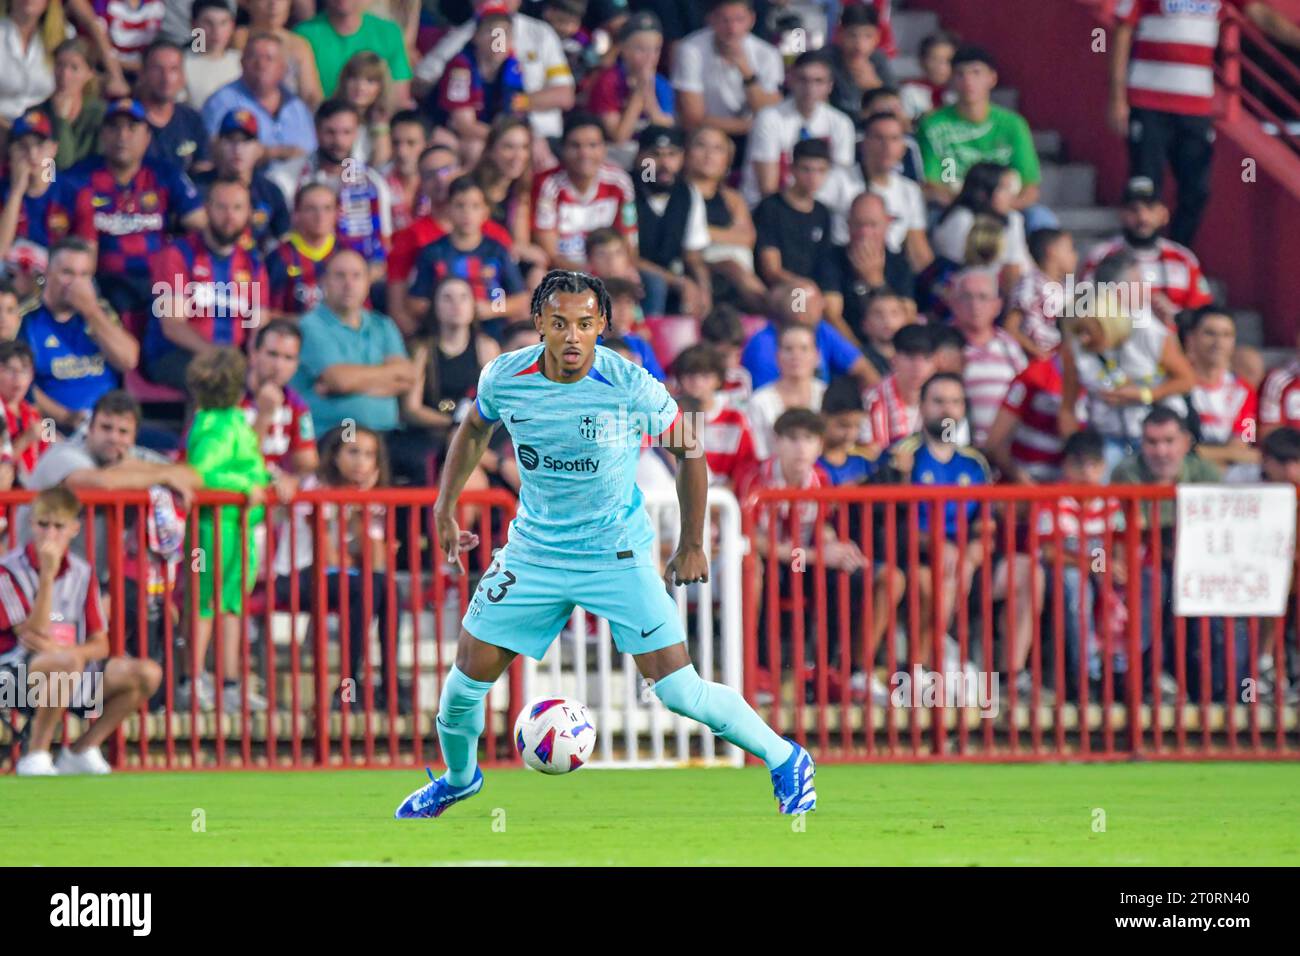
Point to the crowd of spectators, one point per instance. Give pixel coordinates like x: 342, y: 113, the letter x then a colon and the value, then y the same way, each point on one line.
x: 358, y: 200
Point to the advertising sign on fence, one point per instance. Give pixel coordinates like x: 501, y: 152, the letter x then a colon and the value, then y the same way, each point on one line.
x: 1235, y: 550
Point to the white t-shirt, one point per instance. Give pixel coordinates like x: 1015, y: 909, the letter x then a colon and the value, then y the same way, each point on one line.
x: 26, y: 79
x: 696, y: 236
x: 903, y: 202
x: 541, y: 59
x: 776, y: 131
x: 1135, y: 362
x: 697, y: 68
x: 765, y: 407
x: 949, y: 239
x: 204, y: 75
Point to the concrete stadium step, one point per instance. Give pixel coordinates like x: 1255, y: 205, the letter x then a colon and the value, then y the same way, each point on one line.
x: 1049, y: 144
x: 1008, y: 97
x: 1089, y: 221
x: 906, y: 67
x: 1069, y: 185
x: 911, y: 27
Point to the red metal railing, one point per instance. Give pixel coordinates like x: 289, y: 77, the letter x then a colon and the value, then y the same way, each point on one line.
x: 1062, y: 713
x: 305, y: 724
x: 1263, y: 69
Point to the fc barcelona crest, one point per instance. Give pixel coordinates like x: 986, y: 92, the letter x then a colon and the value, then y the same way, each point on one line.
x: 593, y: 427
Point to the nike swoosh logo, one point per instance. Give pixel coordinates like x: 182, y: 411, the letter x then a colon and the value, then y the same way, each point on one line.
x: 516, y: 421
x: 651, y: 631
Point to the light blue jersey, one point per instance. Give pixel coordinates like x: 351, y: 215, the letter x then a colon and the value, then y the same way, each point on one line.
x: 577, y: 447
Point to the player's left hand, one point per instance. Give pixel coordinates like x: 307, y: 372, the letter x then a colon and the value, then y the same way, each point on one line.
x: 687, y: 566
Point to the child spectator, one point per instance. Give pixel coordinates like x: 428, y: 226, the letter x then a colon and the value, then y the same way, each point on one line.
x: 796, y: 386
x: 1083, y: 527
x: 224, y: 450
x: 608, y: 257
x: 631, y: 94
x: 366, y: 85
x: 565, y: 18
x: 949, y: 349
x: 723, y: 330
x: 843, y: 460
x: 858, y: 63
x: 627, y: 322
x: 482, y: 82
x: 360, y: 464
x: 216, y: 62
x: 27, y: 196
x: 794, y: 229
x: 1033, y: 309
x: 885, y: 314
x: 499, y: 290
x: 930, y: 90
x: 726, y: 435
x: 893, y: 407
x: 25, y: 438
x: 52, y: 623
x: 11, y: 317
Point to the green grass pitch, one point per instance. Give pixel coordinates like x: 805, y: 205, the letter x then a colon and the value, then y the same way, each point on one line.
x: 1154, y: 813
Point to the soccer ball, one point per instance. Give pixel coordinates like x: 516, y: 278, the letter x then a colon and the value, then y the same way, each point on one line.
x: 555, y: 734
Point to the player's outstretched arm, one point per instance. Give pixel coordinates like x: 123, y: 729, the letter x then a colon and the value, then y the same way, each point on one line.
x: 467, y: 447
x: 689, y: 563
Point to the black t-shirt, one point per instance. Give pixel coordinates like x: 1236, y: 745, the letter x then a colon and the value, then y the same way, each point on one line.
x: 183, y: 141
x: 841, y: 277
x: 803, y: 238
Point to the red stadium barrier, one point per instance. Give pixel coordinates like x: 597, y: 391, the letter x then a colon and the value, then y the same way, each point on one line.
x: 306, y: 723
x: 816, y: 624
x: 813, y: 622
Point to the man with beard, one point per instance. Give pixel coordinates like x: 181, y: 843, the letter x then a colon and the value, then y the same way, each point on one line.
x: 125, y: 204
x: 235, y: 154
x: 208, y: 289
x: 1171, y: 271
x: 673, y: 227
x: 365, y: 209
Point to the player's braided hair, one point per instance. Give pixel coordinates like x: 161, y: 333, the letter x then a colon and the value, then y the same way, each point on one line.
x: 562, y: 280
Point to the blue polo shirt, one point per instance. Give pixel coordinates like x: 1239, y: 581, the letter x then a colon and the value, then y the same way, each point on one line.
x: 837, y: 354
x: 327, y: 341
x: 70, y: 367
x: 292, y: 126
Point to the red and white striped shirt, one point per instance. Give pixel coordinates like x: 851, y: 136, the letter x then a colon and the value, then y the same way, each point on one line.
x: 1226, y: 409
x: 889, y: 418
x: 768, y: 475
x: 1034, y: 397
x: 1168, y: 268
x: 609, y: 201
x: 1279, y: 399
x: 988, y: 372
x: 1171, y: 67
x: 737, y: 386
x: 1089, y: 519
x: 728, y: 444
x: 1030, y: 297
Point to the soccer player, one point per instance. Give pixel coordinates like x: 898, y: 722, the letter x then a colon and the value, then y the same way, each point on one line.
x: 581, y: 537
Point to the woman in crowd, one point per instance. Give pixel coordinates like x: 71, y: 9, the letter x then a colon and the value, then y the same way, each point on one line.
x: 1124, y: 359
x: 505, y: 173
x: 351, y: 462
x: 730, y: 253
x: 988, y: 190
x: 365, y: 84
x: 75, y: 109
x: 797, y: 386
x: 301, y: 77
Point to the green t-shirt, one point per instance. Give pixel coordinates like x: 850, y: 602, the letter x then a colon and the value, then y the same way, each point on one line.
x: 1003, y: 137
x: 333, y: 51
x: 1133, y: 470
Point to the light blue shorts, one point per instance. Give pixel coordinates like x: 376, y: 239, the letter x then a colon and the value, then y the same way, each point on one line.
x: 523, y: 607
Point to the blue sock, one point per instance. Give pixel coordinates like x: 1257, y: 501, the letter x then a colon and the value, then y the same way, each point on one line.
x: 724, y: 712
x: 460, y: 723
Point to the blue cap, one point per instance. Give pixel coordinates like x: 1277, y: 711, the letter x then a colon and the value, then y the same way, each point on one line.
x: 126, y: 107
